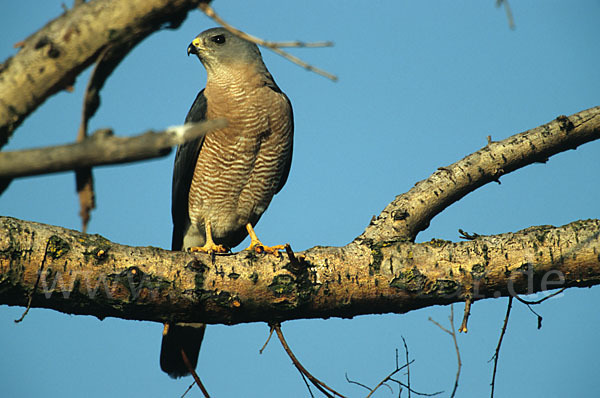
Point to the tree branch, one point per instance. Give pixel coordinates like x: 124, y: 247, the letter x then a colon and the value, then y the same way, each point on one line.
x: 87, y: 274
x: 271, y: 45
x: 102, y: 148
x: 411, y: 212
x: 50, y: 59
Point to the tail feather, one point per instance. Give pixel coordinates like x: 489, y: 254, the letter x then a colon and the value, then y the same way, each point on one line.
x: 186, y: 336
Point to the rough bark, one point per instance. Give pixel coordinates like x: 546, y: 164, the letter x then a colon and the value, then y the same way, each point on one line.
x: 411, y: 212
x: 380, y: 271
x: 86, y: 274
x: 50, y: 59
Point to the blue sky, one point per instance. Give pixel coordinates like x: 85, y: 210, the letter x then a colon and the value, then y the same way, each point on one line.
x: 422, y: 84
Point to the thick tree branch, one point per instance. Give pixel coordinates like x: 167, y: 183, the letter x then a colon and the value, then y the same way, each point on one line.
x: 411, y: 212
x: 50, y: 59
x: 102, y: 148
x: 86, y: 274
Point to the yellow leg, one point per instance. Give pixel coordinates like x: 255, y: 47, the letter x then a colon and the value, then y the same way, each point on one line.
x: 257, y: 245
x: 210, y: 246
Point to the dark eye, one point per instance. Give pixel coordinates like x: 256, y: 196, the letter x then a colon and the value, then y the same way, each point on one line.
x: 219, y: 39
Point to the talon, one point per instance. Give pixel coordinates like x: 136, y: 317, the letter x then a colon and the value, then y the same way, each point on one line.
x: 257, y: 245
x: 209, y: 249
x: 210, y: 246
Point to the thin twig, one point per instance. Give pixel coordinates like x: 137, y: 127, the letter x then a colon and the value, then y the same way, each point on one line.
x: 382, y: 382
x: 407, y: 365
x: 422, y: 394
x: 316, y: 382
x: 459, y: 363
x: 268, y: 339
x: 452, y: 333
x: 296, y: 266
x: 194, y: 374
x: 399, y: 386
x: 463, y: 326
x: 539, y: 317
x: 357, y: 383
x: 497, y: 353
x: 307, y: 385
x: 37, y: 281
x: 388, y: 377
x: 530, y: 303
x: 509, y: 15
x: 295, y: 43
x: 468, y: 236
x: 273, y: 46
x: 290, y: 253
x: 188, y: 389
x: 542, y: 299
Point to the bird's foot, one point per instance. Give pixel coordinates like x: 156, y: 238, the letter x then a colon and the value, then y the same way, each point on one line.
x: 209, y: 248
x: 258, y: 247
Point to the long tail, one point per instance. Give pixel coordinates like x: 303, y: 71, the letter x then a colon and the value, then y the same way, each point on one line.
x: 186, y: 336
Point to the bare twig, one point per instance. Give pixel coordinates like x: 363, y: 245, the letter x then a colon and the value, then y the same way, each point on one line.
x: 452, y: 333
x: 188, y: 389
x: 268, y: 339
x: 539, y: 317
x: 468, y: 236
x: 390, y: 378
x: 407, y: 365
x: 100, y: 149
x: 387, y: 378
x: 509, y: 15
x: 542, y: 299
x: 194, y: 374
x: 421, y: 394
x: 273, y: 46
x: 297, y: 265
x: 530, y: 303
x: 497, y: 353
x: 307, y: 385
x: 37, y: 282
x: 463, y: 326
x: 459, y: 363
x: 324, y: 388
x: 290, y: 253
x: 357, y: 383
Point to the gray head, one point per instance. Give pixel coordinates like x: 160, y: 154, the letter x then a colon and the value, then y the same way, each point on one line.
x: 218, y: 47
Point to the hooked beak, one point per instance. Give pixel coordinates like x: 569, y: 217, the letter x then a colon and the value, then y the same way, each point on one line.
x: 192, y: 49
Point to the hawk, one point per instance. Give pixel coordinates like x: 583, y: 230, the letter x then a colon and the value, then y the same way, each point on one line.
x: 224, y: 181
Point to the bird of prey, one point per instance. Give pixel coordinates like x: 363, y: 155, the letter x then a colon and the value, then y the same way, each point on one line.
x: 223, y: 182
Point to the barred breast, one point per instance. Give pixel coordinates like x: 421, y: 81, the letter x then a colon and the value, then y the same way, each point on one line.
x: 240, y: 167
